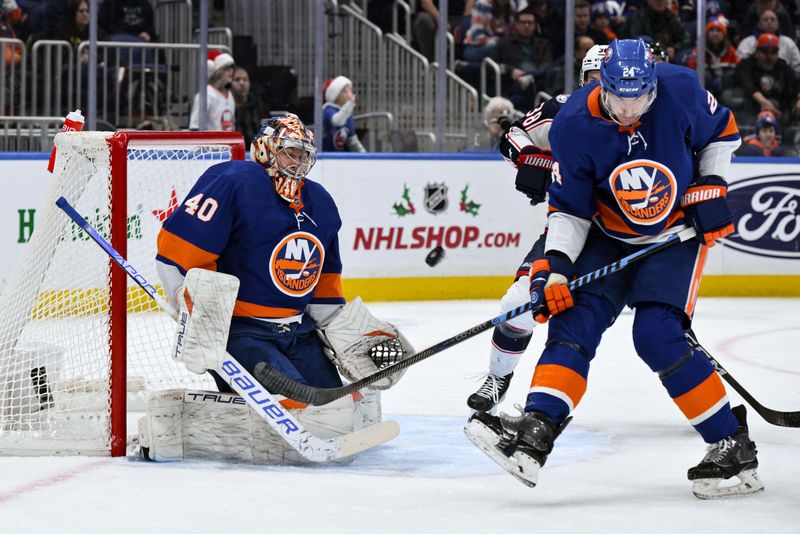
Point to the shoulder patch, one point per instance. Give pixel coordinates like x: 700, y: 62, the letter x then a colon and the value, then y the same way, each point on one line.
x: 562, y: 98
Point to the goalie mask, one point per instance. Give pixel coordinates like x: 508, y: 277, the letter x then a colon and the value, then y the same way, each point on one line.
x: 285, y: 148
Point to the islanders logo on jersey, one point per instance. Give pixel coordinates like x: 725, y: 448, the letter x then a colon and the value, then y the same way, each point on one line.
x: 645, y: 190
x: 296, y: 264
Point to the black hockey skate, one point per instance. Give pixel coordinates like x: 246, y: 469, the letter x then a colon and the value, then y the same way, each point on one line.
x: 734, y: 456
x: 520, y: 444
x: 490, y: 394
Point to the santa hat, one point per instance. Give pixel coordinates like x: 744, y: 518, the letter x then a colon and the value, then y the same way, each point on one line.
x: 218, y: 60
x: 718, y: 23
x: 332, y: 88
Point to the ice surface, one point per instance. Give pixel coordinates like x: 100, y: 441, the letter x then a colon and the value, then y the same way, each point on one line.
x: 619, y: 467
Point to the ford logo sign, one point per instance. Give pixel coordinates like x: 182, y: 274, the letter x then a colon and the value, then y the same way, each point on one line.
x: 767, y: 215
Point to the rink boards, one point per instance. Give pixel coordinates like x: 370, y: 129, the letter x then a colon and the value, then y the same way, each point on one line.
x: 396, y: 208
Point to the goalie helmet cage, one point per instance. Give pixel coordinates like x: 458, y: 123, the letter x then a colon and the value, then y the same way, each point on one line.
x: 79, y: 342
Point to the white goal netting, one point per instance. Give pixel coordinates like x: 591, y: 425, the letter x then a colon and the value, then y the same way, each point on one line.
x: 56, y: 328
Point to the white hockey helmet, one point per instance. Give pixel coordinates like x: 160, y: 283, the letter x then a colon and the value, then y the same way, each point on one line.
x: 592, y: 61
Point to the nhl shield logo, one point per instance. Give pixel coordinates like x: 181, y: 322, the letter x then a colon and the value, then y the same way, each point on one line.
x: 435, y: 198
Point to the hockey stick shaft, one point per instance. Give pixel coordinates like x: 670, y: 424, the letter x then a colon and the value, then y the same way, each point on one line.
x: 285, y: 425
x: 773, y: 417
x: 319, y: 396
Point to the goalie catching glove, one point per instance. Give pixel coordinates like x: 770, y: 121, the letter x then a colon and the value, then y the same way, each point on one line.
x: 361, y: 345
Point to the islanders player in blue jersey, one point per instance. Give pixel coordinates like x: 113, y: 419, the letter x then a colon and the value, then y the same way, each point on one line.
x: 263, y: 222
x: 651, y: 161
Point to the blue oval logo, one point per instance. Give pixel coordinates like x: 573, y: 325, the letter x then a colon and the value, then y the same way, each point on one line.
x: 766, y: 215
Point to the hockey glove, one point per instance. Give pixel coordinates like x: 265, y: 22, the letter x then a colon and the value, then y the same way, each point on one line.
x: 706, y: 208
x: 549, y: 291
x: 534, y: 166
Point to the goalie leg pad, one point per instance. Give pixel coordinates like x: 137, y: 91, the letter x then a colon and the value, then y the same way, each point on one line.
x: 207, y: 425
x: 204, y: 319
x: 360, y: 345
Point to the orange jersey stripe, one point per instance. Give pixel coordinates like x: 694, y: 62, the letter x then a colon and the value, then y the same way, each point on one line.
x: 730, y: 128
x: 248, y: 309
x: 329, y: 286
x: 700, y: 398
x: 183, y: 253
x: 560, y: 378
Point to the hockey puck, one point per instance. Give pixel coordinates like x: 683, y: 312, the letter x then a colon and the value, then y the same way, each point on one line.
x: 434, y: 256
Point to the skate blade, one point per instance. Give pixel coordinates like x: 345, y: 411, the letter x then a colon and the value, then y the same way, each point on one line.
x: 520, y: 466
x: 710, y: 488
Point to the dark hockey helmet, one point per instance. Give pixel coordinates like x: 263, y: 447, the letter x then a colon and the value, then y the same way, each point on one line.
x: 285, y: 148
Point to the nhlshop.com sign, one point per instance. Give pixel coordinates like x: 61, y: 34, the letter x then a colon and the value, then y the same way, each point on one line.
x: 427, y: 237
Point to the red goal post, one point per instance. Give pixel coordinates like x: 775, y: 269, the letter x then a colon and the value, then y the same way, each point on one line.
x: 78, y: 341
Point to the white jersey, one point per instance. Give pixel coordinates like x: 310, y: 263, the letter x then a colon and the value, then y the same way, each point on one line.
x: 221, y: 114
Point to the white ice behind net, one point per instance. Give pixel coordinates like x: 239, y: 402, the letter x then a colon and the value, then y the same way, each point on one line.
x: 54, y: 318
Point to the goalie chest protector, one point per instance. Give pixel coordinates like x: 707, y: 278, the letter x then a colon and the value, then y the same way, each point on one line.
x: 233, y: 221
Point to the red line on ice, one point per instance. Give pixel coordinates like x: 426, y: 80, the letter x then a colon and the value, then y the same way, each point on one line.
x: 50, y: 481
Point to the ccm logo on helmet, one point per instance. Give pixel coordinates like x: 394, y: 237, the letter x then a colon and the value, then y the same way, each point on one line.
x: 645, y: 190
x: 296, y: 264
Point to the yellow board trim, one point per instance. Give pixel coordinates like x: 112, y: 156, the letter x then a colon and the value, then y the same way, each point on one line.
x: 494, y: 287
x: 76, y: 302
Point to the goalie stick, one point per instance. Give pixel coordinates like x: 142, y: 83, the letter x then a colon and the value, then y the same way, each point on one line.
x: 285, y: 425
x: 773, y: 417
x: 319, y: 396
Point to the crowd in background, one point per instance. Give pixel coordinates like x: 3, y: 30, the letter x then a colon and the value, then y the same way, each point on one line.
x: 752, y: 61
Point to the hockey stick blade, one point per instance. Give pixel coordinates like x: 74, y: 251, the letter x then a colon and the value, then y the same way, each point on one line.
x: 773, y: 417
x: 285, y: 424
x: 283, y: 385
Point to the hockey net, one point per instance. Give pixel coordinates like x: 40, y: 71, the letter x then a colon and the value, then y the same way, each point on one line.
x: 79, y: 342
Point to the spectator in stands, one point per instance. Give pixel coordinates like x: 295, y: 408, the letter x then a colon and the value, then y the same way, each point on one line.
x: 522, y: 58
x: 13, y: 25
x: 126, y: 19
x: 752, y: 15
x: 659, y: 22
x: 601, y: 20
x: 617, y: 11
x: 548, y: 22
x: 250, y: 111
x: 13, y: 21
x: 338, y: 125
x: 582, y: 28
x: 497, y: 118
x: 491, y: 19
x: 75, y: 27
x: 787, y: 48
x: 220, y: 105
x: 767, y: 81
x: 721, y: 57
x: 764, y: 140
x: 426, y: 22
x: 554, y: 82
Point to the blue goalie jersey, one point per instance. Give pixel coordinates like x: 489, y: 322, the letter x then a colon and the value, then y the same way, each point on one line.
x: 233, y: 221
x: 631, y: 179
